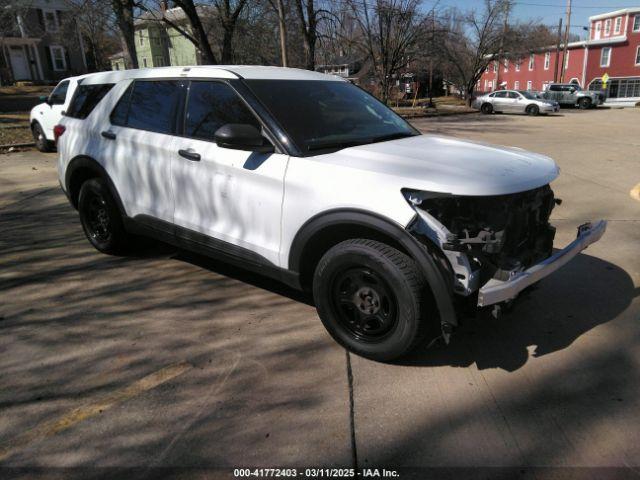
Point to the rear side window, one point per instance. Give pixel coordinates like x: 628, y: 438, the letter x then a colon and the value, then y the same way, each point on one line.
x: 86, y: 98
x: 59, y: 94
x: 148, y: 105
x: 212, y: 105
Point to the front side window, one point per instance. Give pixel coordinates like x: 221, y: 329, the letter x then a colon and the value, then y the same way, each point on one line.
x: 148, y: 105
x: 320, y: 114
x: 605, y: 57
x: 86, y: 98
x: 210, y: 106
x: 59, y: 94
x: 58, y: 60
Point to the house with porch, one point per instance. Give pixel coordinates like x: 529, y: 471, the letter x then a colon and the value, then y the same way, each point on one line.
x: 39, y: 42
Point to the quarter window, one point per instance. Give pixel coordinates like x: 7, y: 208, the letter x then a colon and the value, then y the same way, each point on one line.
x: 212, y: 105
x: 605, y: 57
x: 148, y: 105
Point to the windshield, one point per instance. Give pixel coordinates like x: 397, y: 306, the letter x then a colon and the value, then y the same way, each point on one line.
x: 328, y: 115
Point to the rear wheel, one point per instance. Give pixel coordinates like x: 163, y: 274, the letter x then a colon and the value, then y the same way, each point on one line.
x: 39, y: 138
x: 486, y: 108
x: 533, y: 110
x: 371, y: 298
x: 584, y: 103
x: 100, y: 217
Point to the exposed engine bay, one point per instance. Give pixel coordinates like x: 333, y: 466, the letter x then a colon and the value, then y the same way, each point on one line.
x: 485, y: 237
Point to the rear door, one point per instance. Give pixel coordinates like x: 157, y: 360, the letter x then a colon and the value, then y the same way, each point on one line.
x: 234, y: 196
x: 137, y: 147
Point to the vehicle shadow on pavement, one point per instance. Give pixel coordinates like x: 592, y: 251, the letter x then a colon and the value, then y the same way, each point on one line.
x: 584, y: 294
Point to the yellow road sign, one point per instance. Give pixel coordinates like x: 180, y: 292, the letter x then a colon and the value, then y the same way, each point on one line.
x: 605, y: 79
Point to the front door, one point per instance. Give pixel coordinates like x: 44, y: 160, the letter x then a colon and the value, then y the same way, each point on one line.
x: 19, y: 63
x: 136, y: 148
x: 233, y: 196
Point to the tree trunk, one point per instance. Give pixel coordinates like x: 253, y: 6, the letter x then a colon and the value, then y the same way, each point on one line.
x: 123, y: 10
x: 208, y: 57
x: 283, y: 33
x: 226, y: 57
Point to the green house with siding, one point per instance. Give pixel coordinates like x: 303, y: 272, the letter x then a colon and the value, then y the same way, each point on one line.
x: 158, y: 44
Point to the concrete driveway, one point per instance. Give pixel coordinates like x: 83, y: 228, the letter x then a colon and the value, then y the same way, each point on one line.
x: 171, y: 360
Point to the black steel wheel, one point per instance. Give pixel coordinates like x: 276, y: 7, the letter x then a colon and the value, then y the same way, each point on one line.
x: 100, y: 217
x: 39, y: 138
x: 372, y: 299
x: 364, y: 303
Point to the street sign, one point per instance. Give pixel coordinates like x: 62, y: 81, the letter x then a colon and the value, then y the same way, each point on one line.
x: 605, y: 79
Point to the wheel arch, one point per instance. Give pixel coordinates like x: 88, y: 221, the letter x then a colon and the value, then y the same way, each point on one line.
x: 83, y: 168
x: 327, y: 229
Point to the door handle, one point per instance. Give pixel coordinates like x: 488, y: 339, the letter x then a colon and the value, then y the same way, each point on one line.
x: 189, y: 154
x: 108, y: 134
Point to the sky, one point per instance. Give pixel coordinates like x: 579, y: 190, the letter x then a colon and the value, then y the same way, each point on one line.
x: 549, y: 11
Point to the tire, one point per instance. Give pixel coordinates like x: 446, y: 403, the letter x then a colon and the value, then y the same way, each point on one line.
x: 371, y: 298
x: 533, y: 110
x: 486, y: 108
x: 42, y: 144
x: 584, y: 103
x: 100, y: 218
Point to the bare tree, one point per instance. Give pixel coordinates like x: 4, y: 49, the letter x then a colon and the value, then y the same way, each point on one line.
x: 228, y: 13
x: 198, y: 35
x: 472, y: 42
x: 123, y: 11
x: 310, y: 15
x: 390, y: 30
x: 95, y: 22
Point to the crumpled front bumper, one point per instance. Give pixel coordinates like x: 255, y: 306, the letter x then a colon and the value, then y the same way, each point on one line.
x: 496, y: 291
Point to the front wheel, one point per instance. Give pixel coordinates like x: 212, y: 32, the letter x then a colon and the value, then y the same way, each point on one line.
x: 371, y: 298
x: 533, y: 110
x: 100, y: 217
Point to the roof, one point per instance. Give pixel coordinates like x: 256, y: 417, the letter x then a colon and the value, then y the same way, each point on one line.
x: 615, y: 13
x: 251, y: 72
x: 175, y: 15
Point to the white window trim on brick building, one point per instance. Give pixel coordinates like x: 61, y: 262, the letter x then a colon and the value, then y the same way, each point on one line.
x: 638, y: 56
x: 529, y: 84
x: 617, y: 26
x: 518, y: 62
x: 598, y: 33
x: 547, y: 60
x: 506, y: 64
x: 636, y: 23
x: 607, y: 27
x: 532, y: 61
x: 516, y: 85
x: 608, y: 57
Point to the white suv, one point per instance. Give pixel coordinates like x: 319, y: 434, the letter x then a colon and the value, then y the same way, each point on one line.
x: 310, y: 180
x: 44, y: 116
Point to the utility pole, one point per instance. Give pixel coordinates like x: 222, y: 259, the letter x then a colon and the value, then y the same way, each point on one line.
x: 566, y: 41
x: 283, y: 33
x: 555, y: 71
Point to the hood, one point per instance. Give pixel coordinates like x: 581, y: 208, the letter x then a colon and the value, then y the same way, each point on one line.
x: 447, y: 165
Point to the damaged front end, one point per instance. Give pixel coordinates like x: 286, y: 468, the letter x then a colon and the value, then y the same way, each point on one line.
x: 491, y: 245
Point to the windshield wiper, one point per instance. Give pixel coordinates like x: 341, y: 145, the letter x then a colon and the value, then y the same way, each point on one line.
x: 320, y: 145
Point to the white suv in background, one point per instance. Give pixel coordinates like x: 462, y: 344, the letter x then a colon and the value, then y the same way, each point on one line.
x: 310, y: 180
x: 44, y: 116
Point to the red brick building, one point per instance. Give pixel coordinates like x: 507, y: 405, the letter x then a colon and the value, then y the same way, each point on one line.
x: 613, y: 48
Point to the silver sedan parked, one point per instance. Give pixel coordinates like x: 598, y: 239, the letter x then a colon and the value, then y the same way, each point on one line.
x: 515, y: 101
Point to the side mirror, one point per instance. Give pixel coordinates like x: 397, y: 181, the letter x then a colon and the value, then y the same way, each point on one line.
x: 242, y: 136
